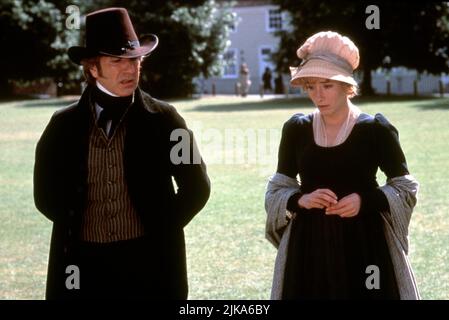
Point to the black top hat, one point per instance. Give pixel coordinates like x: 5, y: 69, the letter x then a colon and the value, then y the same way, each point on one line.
x: 110, y: 32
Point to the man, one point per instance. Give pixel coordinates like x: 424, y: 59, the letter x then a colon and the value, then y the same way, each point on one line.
x: 266, y: 79
x: 103, y: 176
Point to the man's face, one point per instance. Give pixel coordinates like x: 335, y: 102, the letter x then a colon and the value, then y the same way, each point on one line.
x: 118, y: 75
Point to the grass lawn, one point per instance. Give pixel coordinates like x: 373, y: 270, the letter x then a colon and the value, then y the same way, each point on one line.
x: 228, y: 256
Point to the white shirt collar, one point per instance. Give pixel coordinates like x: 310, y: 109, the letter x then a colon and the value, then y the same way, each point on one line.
x: 105, y: 90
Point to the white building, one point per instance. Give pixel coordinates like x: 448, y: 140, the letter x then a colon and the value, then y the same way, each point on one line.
x: 253, y: 40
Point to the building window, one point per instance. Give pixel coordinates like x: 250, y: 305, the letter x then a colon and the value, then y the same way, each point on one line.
x: 275, y: 20
x: 266, y: 53
x: 230, y: 64
x: 265, y: 60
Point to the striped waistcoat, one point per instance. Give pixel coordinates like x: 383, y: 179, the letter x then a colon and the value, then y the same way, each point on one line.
x: 110, y: 215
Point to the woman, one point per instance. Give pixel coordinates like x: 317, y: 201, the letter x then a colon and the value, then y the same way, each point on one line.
x: 245, y: 81
x: 339, y: 235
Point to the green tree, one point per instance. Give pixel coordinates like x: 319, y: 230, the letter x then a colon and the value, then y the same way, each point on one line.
x: 411, y: 34
x: 62, y: 70
x: 35, y: 39
x: 27, y: 31
x: 193, y: 35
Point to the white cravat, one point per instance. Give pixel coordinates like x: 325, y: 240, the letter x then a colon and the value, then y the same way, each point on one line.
x: 99, y: 85
x: 98, y: 108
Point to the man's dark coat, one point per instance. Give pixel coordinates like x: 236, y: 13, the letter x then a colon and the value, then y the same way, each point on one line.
x: 60, y: 188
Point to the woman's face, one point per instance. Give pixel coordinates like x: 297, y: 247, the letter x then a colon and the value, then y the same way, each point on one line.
x: 329, y: 96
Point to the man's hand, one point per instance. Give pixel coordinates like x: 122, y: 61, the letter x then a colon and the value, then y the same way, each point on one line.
x: 320, y: 199
x: 347, y: 207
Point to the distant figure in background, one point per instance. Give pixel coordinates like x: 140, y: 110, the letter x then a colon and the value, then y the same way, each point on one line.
x: 245, y: 82
x: 279, y: 84
x: 266, y: 78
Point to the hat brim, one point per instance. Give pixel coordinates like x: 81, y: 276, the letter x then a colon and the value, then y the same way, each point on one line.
x: 320, y: 69
x: 148, y: 43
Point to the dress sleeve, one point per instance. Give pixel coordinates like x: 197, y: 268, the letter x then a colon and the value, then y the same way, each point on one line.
x: 286, y: 155
x: 287, y: 164
x: 292, y: 204
x: 391, y: 161
x: 391, y: 157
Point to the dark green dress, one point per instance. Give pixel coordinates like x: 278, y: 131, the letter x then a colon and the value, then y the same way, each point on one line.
x: 331, y: 257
